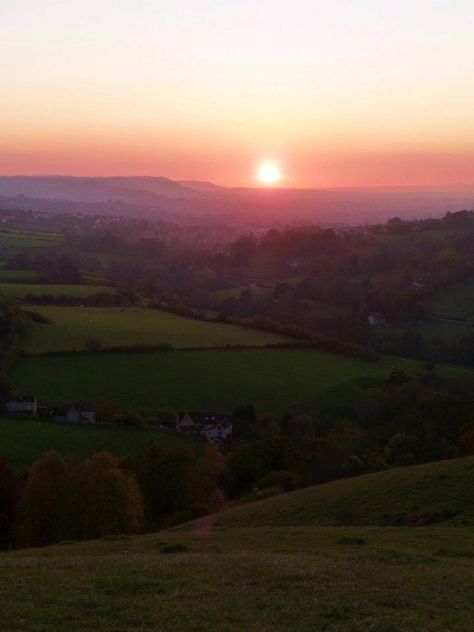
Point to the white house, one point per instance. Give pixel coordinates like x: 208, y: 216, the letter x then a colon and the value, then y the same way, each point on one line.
x: 81, y: 413
x: 22, y: 406
x: 215, y: 427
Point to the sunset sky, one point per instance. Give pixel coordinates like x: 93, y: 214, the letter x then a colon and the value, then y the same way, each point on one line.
x: 337, y: 93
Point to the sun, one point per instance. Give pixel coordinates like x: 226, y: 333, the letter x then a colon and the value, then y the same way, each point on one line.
x: 268, y: 173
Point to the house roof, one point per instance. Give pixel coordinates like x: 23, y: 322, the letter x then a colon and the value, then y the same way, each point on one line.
x: 22, y: 399
x: 83, y: 407
x: 206, y: 418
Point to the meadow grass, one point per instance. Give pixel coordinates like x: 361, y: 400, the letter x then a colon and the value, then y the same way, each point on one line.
x: 274, y: 380
x: 71, y: 327
x: 278, y: 579
x: 20, y: 290
x: 10, y: 276
x: 22, y: 441
x: 439, y: 491
x: 266, y: 566
x: 456, y: 302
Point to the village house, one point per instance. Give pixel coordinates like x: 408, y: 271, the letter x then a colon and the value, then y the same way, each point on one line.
x: 214, y: 427
x: 22, y: 406
x: 375, y: 319
x: 81, y: 413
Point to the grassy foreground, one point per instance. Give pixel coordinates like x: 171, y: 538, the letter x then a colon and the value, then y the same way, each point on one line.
x: 274, y: 380
x: 71, y: 327
x: 274, y: 579
x: 23, y: 441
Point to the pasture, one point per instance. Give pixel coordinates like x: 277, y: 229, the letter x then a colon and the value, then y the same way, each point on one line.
x: 402, y: 495
x: 266, y: 566
x: 456, y: 302
x: 71, y: 327
x: 15, y: 240
x: 13, y: 276
x: 21, y: 290
x: 22, y: 441
x: 274, y: 380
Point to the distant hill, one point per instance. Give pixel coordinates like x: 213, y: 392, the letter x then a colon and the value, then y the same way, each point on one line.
x: 201, y: 186
x: 419, y: 494
x: 140, y: 190
x: 158, y: 196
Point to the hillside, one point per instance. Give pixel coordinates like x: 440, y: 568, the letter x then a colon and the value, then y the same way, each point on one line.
x: 262, y: 567
x: 422, y: 493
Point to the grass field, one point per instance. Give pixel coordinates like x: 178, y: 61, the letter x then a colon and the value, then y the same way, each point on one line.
x: 12, y: 276
x: 433, y: 331
x: 457, y: 302
x: 20, y: 290
x: 272, y: 379
x: 235, y: 292
x: 71, y: 327
x: 13, y: 240
x: 22, y: 441
x: 247, y: 569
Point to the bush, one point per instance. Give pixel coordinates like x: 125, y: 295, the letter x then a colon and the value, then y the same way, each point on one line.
x: 174, y: 548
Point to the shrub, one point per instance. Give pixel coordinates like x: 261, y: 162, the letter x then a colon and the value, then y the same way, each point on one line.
x: 174, y: 548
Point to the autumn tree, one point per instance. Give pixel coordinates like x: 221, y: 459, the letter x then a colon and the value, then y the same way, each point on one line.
x: 112, y: 502
x: 49, y: 502
x: 8, y: 501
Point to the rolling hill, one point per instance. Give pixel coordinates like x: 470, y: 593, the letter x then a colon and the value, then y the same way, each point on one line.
x: 240, y: 570
x: 440, y: 491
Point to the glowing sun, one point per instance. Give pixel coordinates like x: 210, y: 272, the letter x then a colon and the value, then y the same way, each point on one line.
x: 268, y: 173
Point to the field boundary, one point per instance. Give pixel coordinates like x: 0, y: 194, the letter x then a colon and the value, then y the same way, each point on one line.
x: 167, y: 348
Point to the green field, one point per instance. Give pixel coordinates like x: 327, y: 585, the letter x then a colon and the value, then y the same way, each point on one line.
x: 246, y: 570
x: 71, y: 327
x: 433, y: 331
x: 274, y: 380
x: 12, y: 276
x: 20, y: 290
x: 14, y: 240
x: 22, y: 441
x: 457, y: 302
x: 235, y: 292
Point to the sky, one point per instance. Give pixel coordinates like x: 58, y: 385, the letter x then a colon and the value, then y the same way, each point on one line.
x: 337, y: 93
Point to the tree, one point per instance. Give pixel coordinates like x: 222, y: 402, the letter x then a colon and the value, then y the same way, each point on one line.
x: 49, y: 502
x: 112, y: 502
x: 207, y: 475
x: 8, y: 502
x: 165, y: 479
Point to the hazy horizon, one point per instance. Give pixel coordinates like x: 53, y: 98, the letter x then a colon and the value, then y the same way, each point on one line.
x: 337, y: 95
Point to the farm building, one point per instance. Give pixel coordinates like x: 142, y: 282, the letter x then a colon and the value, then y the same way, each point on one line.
x: 22, y: 406
x: 215, y: 427
x: 81, y: 413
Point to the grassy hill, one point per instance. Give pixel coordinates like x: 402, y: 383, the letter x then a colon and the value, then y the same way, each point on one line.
x: 231, y: 574
x: 22, y: 441
x: 274, y: 380
x: 441, y: 491
x: 71, y: 327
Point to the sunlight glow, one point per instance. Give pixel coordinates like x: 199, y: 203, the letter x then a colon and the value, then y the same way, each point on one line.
x: 268, y: 173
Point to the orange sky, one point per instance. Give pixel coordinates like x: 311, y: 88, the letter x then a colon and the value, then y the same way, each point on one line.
x: 338, y: 94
